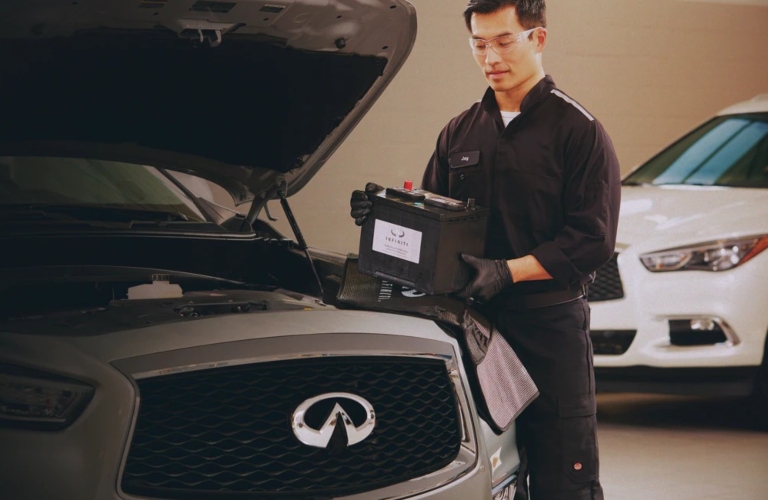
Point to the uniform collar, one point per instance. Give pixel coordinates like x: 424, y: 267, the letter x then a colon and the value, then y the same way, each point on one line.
x: 537, y: 94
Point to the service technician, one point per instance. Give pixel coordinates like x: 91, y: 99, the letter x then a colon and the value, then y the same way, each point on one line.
x: 548, y: 171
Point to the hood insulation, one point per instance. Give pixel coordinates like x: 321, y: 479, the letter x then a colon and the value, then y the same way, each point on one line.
x: 245, y: 102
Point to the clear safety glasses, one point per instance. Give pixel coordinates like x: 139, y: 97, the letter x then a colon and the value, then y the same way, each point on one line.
x: 499, y: 44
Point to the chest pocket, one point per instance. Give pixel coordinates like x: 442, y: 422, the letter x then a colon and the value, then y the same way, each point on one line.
x: 465, y: 178
x: 533, y: 202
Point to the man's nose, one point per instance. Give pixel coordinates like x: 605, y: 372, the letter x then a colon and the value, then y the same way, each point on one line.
x: 491, y: 55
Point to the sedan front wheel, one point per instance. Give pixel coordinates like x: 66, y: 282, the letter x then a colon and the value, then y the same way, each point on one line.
x: 760, y: 393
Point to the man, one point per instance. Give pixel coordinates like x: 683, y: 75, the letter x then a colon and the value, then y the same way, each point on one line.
x: 548, y: 171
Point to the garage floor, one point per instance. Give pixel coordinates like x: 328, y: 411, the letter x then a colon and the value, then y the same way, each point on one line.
x: 679, y: 448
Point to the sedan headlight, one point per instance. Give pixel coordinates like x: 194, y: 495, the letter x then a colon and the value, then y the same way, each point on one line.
x: 39, y: 400
x: 715, y: 256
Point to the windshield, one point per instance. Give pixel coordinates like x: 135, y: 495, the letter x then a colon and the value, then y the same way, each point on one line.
x: 726, y: 151
x: 31, y: 181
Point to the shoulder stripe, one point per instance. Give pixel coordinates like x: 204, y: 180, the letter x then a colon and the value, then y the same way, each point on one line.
x: 574, y: 103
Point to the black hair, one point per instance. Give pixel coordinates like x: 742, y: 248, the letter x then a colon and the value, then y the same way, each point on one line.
x: 530, y: 13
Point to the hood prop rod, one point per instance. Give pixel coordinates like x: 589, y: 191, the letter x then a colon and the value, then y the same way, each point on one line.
x: 299, y: 236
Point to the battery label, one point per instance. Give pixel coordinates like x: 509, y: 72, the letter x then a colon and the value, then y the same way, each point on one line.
x: 396, y: 241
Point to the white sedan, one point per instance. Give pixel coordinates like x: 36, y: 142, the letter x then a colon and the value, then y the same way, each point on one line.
x: 682, y: 308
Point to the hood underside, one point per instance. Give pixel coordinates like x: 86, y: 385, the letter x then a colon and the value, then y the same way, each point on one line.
x: 235, y: 92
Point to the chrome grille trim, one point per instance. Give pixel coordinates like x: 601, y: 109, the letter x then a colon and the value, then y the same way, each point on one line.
x: 322, y: 346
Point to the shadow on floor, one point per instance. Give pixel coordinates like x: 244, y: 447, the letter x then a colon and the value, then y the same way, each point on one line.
x: 653, y: 410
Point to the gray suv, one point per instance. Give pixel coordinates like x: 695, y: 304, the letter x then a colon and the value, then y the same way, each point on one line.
x: 154, y: 344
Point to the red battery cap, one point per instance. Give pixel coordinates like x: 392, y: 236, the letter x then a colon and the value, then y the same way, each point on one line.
x: 408, y: 185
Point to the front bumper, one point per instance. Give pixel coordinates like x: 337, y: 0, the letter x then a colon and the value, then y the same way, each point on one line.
x: 642, y: 343
x: 86, y: 460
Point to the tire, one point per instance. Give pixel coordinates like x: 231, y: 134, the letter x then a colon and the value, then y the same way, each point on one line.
x: 760, y: 394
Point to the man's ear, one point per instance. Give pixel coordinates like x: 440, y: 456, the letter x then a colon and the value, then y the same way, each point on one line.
x: 540, y: 37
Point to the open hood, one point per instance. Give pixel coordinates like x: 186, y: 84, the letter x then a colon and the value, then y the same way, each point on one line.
x: 244, y: 93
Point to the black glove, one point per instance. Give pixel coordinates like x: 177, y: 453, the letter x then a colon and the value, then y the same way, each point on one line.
x: 492, y: 277
x: 361, y: 205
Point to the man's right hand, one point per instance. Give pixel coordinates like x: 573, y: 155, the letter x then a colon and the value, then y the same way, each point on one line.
x: 361, y: 205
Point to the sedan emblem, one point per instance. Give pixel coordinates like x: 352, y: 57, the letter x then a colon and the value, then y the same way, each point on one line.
x: 315, y: 420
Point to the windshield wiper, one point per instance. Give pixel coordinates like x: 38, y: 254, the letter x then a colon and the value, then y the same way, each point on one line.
x: 636, y: 183
x: 41, y: 211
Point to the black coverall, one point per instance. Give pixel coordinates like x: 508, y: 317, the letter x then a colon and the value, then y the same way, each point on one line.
x: 551, y: 179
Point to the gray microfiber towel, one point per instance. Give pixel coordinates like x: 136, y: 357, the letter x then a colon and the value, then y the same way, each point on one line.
x: 501, y: 385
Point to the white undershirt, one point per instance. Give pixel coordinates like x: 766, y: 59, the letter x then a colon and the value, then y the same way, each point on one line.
x: 508, y: 116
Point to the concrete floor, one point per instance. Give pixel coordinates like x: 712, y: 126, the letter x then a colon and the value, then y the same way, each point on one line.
x: 679, y: 448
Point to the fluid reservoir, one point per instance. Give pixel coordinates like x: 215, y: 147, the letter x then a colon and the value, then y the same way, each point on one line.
x: 160, y: 288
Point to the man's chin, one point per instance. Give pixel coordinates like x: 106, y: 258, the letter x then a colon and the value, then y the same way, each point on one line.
x: 498, y: 85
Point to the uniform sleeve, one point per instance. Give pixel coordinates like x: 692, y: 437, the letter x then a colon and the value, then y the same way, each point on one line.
x: 591, y: 198
x: 435, y: 177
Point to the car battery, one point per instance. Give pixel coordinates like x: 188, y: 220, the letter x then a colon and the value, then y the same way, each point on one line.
x: 415, y: 238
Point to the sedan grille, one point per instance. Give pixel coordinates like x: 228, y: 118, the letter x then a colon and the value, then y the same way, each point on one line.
x: 226, y: 432
x: 607, y: 284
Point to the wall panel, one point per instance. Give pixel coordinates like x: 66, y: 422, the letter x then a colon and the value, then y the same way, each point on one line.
x: 647, y: 69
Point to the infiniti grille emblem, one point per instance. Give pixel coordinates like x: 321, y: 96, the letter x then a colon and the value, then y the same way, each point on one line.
x: 334, y: 420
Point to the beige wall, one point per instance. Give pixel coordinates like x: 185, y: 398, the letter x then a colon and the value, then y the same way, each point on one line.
x: 647, y: 69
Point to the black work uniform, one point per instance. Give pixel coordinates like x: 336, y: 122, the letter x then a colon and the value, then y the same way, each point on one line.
x: 551, y: 180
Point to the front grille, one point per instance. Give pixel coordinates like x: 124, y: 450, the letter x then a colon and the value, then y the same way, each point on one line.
x: 611, y: 342
x: 607, y: 284
x: 225, y: 432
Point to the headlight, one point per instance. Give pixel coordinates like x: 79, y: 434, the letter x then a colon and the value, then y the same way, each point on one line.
x: 38, y: 400
x: 714, y: 256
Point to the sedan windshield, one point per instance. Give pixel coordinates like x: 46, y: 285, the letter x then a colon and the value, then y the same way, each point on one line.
x: 91, y: 186
x: 726, y: 151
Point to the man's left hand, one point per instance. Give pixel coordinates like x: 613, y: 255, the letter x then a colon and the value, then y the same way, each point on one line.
x: 491, y: 277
